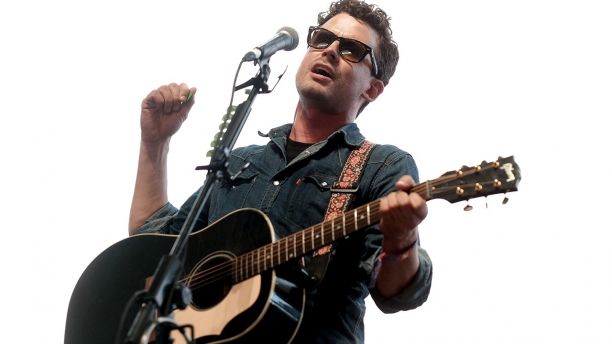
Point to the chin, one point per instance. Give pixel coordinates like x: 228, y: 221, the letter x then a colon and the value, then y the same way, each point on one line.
x: 315, y: 95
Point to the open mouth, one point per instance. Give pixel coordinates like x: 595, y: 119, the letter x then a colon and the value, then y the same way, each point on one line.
x: 323, y: 72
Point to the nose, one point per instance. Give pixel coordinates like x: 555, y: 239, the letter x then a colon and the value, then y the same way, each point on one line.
x: 333, y: 50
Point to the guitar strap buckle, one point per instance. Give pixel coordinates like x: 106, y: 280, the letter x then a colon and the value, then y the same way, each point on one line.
x: 351, y: 191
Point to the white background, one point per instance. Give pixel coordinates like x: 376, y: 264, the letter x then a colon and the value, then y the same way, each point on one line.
x: 476, y: 80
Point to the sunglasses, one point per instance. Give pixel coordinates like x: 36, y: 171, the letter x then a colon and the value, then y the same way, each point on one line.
x: 351, y: 50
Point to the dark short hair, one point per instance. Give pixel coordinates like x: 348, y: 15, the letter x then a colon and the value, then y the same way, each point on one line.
x: 387, y: 54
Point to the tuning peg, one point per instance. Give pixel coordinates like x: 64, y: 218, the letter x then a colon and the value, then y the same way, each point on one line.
x: 468, y: 207
x: 506, y: 199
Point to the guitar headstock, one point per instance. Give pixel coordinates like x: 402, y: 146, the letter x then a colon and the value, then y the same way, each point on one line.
x: 488, y: 178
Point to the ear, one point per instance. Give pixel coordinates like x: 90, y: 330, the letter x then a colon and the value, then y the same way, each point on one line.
x: 376, y: 88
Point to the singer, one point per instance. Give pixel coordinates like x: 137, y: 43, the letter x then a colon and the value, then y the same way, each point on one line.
x: 302, y: 176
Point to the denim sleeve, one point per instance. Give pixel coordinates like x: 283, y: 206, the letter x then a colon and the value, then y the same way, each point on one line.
x: 414, y: 295
x: 159, y: 221
x: 169, y: 220
x: 395, y: 164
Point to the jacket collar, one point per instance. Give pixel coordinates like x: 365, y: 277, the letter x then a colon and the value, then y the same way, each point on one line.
x: 349, y: 134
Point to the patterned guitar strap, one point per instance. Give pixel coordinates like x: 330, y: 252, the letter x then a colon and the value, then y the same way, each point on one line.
x: 343, y: 193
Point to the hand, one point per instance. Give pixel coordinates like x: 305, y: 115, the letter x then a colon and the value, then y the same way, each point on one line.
x: 402, y: 212
x: 164, y: 110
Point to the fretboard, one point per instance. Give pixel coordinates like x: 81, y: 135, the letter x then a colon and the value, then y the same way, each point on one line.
x: 300, y: 243
x: 307, y: 240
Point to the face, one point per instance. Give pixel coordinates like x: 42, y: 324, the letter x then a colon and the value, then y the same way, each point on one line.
x: 333, y: 84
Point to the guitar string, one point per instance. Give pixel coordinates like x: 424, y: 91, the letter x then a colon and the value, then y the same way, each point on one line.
x: 286, y: 252
x: 228, y: 268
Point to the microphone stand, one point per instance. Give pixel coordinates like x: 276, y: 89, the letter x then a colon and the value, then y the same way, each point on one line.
x: 166, y: 293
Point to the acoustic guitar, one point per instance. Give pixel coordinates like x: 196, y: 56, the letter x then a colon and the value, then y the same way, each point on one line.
x: 231, y: 268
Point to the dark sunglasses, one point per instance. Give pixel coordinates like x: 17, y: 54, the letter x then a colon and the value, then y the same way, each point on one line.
x: 350, y: 49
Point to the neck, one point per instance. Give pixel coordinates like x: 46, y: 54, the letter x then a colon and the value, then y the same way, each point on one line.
x: 312, y: 125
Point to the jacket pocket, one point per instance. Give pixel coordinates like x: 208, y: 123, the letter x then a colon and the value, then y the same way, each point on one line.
x: 231, y: 195
x: 309, y: 199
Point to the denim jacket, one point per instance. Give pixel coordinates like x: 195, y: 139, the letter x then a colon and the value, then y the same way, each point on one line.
x: 295, y: 195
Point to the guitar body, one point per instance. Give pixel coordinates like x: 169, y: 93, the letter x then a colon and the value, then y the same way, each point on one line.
x: 221, y: 311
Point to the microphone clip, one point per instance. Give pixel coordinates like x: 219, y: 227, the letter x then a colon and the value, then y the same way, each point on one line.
x: 258, y: 82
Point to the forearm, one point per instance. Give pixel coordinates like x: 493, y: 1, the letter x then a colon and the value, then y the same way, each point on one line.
x: 150, y: 190
x: 396, y: 274
x: 414, y: 294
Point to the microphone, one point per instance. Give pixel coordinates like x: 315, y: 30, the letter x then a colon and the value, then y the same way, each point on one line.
x: 286, y: 39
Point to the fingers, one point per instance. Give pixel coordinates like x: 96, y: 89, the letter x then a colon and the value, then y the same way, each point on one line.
x: 175, y: 102
x: 405, y: 183
x: 186, y: 94
x: 169, y: 94
x: 171, y: 98
x: 403, y: 209
x: 187, y: 99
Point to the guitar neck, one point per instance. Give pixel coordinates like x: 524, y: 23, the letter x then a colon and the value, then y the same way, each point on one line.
x: 308, y: 240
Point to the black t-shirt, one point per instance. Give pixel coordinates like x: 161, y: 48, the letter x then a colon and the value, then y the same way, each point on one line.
x: 294, y: 148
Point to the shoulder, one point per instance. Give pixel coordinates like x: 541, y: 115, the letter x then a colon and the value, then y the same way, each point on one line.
x: 386, y: 154
x: 247, y: 151
x: 386, y: 165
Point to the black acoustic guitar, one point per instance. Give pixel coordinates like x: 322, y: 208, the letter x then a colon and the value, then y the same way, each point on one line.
x: 231, y: 268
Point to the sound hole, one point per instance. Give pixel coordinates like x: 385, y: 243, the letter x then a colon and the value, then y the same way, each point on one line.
x: 211, y: 280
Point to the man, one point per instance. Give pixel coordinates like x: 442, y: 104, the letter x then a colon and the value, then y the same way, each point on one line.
x: 350, y: 59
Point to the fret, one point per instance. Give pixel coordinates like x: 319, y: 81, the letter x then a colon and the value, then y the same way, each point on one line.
x: 313, y: 236
x: 293, y: 255
x: 278, y: 251
x: 303, y: 243
x: 322, y: 234
x: 332, y: 230
x: 245, y: 271
x: 343, y: 224
x: 247, y: 264
x: 265, y: 257
x: 244, y: 267
x: 271, y: 255
x: 286, y: 249
x: 257, y: 263
x: 368, y: 213
x: 355, y: 216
